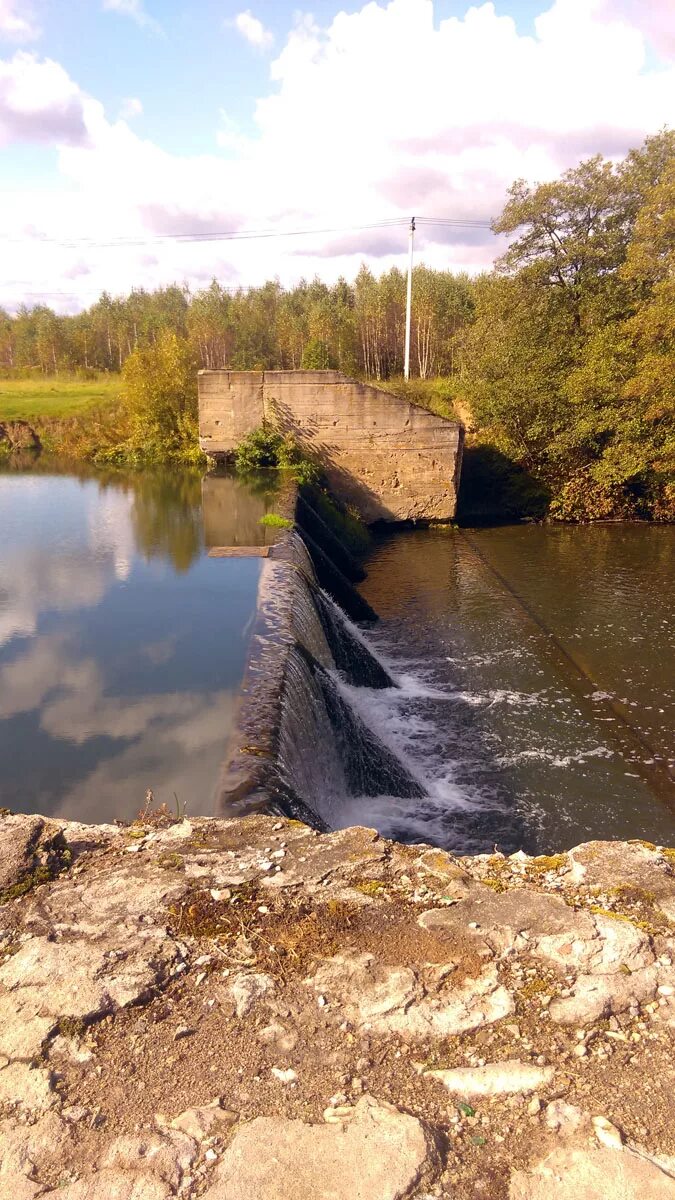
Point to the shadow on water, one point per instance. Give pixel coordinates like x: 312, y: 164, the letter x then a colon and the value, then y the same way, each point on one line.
x: 495, y: 489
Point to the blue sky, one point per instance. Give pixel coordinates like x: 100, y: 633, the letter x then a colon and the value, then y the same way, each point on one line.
x: 125, y: 120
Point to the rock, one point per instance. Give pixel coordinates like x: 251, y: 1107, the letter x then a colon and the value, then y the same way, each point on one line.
x: 633, y: 864
x: 597, y: 996
x: 369, y: 988
x: 563, y: 1118
x: 26, y: 1150
x: 115, y: 1185
x: 165, y: 1157
x: 203, y: 1123
x: 27, y: 1086
x: 494, y: 1079
x: 41, y: 976
x: 381, y: 1154
x: 388, y: 1000
x: 607, y: 1134
x: 248, y: 990
x: 22, y: 1028
x: 284, y: 1075
x: 601, y: 1174
x: 26, y: 843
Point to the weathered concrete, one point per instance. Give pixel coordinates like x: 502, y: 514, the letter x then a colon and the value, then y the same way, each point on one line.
x: 392, y: 460
x: 246, y: 1009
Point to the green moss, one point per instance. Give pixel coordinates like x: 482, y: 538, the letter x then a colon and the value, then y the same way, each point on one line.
x: 370, y: 887
x: 548, y: 862
x: 535, y: 987
x: 497, y: 885
x: 170, y: 861
x: 274, y: 521
x: 637, y: 922
x: 71, y: 1027
x: 36, y: 877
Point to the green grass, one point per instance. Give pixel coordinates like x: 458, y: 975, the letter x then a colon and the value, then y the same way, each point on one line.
x: 55, y: 396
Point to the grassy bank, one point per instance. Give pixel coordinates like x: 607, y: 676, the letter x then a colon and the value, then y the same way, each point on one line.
x: 56, y: 397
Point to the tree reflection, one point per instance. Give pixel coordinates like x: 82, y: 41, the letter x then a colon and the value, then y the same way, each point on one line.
x: 166, y: 516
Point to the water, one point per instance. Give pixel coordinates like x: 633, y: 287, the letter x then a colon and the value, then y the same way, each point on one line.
x: 122, y: 643
x: 536, y: 697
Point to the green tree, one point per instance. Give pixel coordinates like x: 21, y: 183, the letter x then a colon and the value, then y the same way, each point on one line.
x: 160, y: 399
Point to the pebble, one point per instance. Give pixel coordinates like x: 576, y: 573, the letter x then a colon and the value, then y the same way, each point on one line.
x: 284, y: 1076
x: 183, y: 1031
x: 607, y: 1134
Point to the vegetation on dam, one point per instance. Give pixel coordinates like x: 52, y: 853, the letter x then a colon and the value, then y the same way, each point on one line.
x: 560, y: 361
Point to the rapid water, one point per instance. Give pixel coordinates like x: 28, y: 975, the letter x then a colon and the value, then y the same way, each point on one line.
x: 534, y: 696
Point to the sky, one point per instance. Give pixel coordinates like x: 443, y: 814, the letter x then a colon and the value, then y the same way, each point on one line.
x: 126, y: 122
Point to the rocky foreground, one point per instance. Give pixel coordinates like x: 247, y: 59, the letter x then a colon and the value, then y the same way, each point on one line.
x: 248, y: 1010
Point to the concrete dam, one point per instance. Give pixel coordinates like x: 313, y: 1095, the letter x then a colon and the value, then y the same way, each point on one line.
x: 390, y: 459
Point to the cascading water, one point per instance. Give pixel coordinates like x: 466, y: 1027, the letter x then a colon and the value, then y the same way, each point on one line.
x: 357, y: 745
x: 353, y: 657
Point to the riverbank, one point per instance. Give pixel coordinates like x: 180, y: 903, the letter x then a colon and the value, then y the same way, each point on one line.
x: 247, y: 1008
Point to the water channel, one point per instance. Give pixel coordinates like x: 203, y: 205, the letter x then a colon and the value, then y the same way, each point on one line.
x: 534, y: 702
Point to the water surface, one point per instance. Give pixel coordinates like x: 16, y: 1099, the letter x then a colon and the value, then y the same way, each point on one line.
x: 122, y: 643
x: 537, y: 697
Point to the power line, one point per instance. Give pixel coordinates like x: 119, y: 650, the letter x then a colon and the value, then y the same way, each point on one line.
x: 236, y: 235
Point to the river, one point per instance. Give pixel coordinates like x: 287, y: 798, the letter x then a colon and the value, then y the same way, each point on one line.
x: 122, y: 643
x: 535, y: 702
x: 537, y: 692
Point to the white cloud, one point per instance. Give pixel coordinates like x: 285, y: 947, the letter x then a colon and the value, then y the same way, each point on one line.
x: 252, y: 30
x: 654, y: 18
x: 339, y: 142
x: 17, y: 22
x: 134, y: 9
x: 131, y: 107
x: 39, y: 102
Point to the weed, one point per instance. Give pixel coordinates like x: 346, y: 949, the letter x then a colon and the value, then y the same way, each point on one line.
x: 281, y: 940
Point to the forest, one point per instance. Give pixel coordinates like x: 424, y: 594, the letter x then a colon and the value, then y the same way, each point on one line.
x: 561, y: 360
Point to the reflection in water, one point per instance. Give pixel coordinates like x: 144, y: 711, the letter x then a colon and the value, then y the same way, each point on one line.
x: 122, y: 645
x: 232, y: 513
x: 509, y: 744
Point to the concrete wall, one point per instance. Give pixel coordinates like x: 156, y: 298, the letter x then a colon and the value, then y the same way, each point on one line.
x: 393, y: 460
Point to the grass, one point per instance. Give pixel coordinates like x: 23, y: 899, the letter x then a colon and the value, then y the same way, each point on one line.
x: 55, y: 396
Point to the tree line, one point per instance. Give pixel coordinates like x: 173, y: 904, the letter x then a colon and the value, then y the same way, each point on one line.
x: 561, y: 359
x: 356, y: 327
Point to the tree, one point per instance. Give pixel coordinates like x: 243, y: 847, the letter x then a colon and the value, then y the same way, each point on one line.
x: 160, y: 397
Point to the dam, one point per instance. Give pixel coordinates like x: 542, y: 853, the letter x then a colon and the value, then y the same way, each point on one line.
x: 392, y: 460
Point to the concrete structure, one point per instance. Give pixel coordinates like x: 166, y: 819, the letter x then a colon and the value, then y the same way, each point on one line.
x: 392, y: 460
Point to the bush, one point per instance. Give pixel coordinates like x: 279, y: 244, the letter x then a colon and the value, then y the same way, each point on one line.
x: 265, y: 447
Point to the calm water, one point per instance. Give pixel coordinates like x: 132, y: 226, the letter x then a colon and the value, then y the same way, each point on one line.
x: 537, y: 703
x: 122, y: 644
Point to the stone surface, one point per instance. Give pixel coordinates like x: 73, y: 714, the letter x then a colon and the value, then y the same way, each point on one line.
x: 494, y: 1079
x: 393, y: 460
x: 580, y: 1174
x: 310, y: 971
x: 115, y: 1185
x: 380, y: 1154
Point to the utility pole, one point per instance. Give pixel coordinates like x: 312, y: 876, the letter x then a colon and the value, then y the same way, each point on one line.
x: 408, y: 307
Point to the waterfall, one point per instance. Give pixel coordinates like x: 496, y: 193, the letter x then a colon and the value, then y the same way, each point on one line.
x: 351, y: 654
